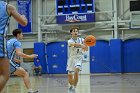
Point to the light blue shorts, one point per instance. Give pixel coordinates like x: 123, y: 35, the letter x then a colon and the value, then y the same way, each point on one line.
x: 2, y: 47
x: 13, y: 66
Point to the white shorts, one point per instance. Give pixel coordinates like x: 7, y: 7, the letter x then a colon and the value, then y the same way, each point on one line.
x: 74, y: 62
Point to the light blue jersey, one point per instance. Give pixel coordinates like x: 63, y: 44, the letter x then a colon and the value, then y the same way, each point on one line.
x: 4, y: 22
x: 12, y: 44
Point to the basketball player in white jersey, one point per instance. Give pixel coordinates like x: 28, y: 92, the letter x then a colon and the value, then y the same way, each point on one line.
x: 76, y: 48
x: 6, y: 11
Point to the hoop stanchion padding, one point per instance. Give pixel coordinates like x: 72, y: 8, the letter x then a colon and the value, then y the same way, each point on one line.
x: 39, y: 48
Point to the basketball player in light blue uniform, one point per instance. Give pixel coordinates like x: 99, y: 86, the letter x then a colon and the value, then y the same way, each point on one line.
x: 76, y: 49
x: 6, y: 10
x: 4, y: 64
x: 14, y: 50
x: 12, y: 44
x: 4, y: 21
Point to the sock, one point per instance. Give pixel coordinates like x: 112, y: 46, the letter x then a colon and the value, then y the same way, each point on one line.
x: 70, y: 86
x: 30, y: 90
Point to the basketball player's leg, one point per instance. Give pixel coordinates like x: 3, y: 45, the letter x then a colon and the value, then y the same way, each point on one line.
x: 76, y: 75
x: 77, y: 68
x: 70, y: 78
x: 70, y: 65
x: 22, y: 73
x: 4, y: 72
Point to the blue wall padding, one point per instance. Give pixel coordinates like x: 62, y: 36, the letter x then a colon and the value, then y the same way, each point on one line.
x: 57, y: 57
x: 131, y: 56
x: 39, y: 48
x: 100, y: 52
x: 116, y: 55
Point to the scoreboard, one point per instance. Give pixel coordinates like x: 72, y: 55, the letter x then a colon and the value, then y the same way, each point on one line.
x: 75, y: 6
x: 75, y: 11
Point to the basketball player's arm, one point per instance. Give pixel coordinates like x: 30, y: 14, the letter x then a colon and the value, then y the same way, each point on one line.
x: 85, y: 47
x: 23, y: 55
x: 21, y: 19
x: 75, y: 44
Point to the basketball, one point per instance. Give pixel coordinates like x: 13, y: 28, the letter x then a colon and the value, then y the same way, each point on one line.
x: 90, y: 40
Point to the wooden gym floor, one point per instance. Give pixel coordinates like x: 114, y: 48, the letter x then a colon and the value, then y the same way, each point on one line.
x: 115, y: 83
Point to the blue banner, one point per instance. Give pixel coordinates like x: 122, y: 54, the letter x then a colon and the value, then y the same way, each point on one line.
x: 25, y: 8
x: 75, y: 18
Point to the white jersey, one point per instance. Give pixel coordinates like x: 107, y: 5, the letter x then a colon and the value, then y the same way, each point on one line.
x: 75, y: 51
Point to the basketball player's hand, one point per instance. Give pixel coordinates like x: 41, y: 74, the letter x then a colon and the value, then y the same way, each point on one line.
x: 33, y: 56
x: 84, y: 47
x: 17, y: 60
